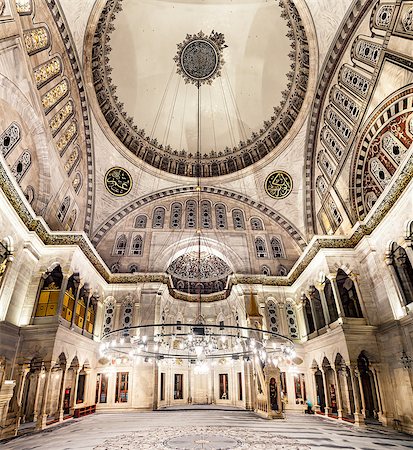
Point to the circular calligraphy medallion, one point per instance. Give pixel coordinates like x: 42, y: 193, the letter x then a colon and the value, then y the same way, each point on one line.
x: 279, y: 184
x: 118, y: 181
x: 199, y: 59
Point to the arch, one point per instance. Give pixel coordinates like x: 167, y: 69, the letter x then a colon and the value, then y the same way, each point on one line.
x: 291, y: 319
x: 277, y: 248
x: 63, y: 209
x: 77, y: 182
x: 369, y: 387
x: 141, y: 221
x: 256, y: 223
x: 133, y: 268
x: 221, y: 216
x: 191, y: 214
x: 260, y: 248
x: 273, y: 215
x: 137, y: 245
x: 206, y: 214
x: 272, y: 311
x: 158, y: 217
x: 176, y: 215
x: 348, y: 295
x: 265, y: 270
x: 282, y: 271
x: 398, y: 258
x: 120, y: 247
x: 22, y: 165
x: 108, y: 319
x: 317, y: 307
x: 238, y: 219
x: 10, y: 138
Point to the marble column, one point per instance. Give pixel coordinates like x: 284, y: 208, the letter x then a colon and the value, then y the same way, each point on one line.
x: 23, y: 371
x: 338, y: 394
x: 42, y: 417
x: 326, y: 393
x: 378, y: 394
x: 60, y: 410
x: 74, y: 395
x: 336, y: 294
x: 36, y: 396
x: 358, y: 416
x: 361, y: 390
x: 314, y: 385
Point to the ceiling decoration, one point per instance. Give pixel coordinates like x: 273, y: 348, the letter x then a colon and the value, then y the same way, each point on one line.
x: 118, y: 181
x: 279, y: 184
x: 200, y: 57
x: 195, y: 273
x: 155, y: 117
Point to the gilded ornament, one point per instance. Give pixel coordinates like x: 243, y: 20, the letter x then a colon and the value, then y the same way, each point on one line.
x: 67, y: 137
x: 278, y: 184
x: 24, y: 7
x: 55, y: 94
x: 47, y: 71
x: 36, y: 40
x: 60, y: 118
x: 118, y: 181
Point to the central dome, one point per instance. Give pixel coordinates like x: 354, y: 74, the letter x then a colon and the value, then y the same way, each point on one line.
x: 253, y: 56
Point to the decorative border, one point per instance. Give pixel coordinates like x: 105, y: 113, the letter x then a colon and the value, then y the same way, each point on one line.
x: 216, y: 163
x: 71, y: 52
x: 343, y: 37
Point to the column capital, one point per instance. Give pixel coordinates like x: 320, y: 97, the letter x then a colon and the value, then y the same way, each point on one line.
x: 331, y: 276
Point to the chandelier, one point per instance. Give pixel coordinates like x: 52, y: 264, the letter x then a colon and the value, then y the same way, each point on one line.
x: 199, y: 61
x: 199, y: 344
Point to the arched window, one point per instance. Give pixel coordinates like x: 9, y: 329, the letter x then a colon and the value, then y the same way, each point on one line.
x: 64, y: 207
x: 206, y: 215
x: 221, y: 216
x: 9, y: 139
x: 282, y: 271
x: 335, y: 212
x: 127, y: 314
x: 320, y: 321
x: 321, y: 185
x: 176, y: 215
x: 121, y: 245
x: 272, y: 309
x: 256, y: 223
x: 308, y: 316
x: 109, y: 316
x: 72, y: 220
x: 158, y: 219
x: 238, y: 219
x: 325, y: 164
x: 260, y: 248
x: 348, y: 295
x: 291, y: 320
x: 133, y: 268
x: 393, y: 147
x: 265, y: 270
x: 331, y: 304
x: 21, y: 166
x: 115, y: 268
x: 77, y: 182
x: 29, y: 194
x: 277, y: 248
x: 190, y: 218
x: 403, y: 271
x: 140, y: 221
x: 370, y: 199
x: 379, y: 172
x: 137, y: 246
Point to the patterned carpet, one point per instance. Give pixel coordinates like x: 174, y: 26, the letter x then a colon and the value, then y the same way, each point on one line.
x: 200, y: 438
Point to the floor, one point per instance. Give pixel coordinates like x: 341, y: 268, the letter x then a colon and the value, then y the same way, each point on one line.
x: 207, y: 430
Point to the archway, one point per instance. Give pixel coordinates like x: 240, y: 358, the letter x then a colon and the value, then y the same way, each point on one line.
x: 368, y: 386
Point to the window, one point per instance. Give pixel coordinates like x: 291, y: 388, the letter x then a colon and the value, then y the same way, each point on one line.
x: 277, y: 248
x: 379, y: 172
x: 140, y: 222
x: 158, y: 217
x: 291, y: 320
x: 29, y: 194
x: 21, y: 166
x: 321, y: 185
x: 238, y: 219
x: 260, y: 248
x: 121, y: 394
x: 108, y: 319
x: 127, y: 314
x: 265, y: 270
x: 348, y: 295
x: 176, y: 215
x: 80, y: 395
x: 272, y: 309
x: 101, y: 388
x: 190, y: 219
x: 77, y: 182
x: 256, y: 224
x: 206, y: 214
x: 121, y: 245
x: 403, y: 271
x: 64, y: 207
x: 115, y: 268
x: 282, y: 271
x: 325, y: 164
x: 223, y: 386
x: 133, y: 268
x: 9, y: 139
x: 178, y: 387
x: 137, y: 246
x: 221, y: 216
